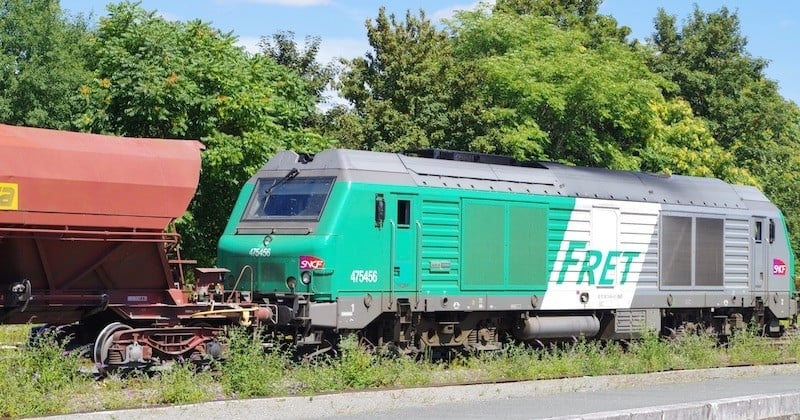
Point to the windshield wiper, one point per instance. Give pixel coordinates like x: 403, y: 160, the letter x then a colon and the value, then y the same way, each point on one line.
x: 291, y: 175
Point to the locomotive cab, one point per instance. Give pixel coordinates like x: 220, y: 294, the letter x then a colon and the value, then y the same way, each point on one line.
x: 277, y: 244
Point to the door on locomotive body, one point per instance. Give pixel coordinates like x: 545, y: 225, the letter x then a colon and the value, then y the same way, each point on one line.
x: 404, y: 259
x: 760, y: 243
x: 604, y: 235
x: 776, y: 270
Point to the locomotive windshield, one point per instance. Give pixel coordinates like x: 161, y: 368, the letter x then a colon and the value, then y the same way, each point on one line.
x: 289, y: 199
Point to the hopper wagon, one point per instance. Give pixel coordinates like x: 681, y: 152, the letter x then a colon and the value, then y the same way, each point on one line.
x: 86, y: 248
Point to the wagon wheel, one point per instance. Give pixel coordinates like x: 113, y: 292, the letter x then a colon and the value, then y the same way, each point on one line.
x: 103, y: 344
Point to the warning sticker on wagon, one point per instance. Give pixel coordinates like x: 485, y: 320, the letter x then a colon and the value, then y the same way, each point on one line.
x: 8, y: 196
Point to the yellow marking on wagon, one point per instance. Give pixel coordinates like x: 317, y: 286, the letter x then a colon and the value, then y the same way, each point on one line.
x: 9, y: 196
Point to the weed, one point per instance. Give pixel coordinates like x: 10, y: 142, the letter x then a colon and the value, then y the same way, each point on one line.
x: 249, y: 371
x: 792, y: 352
x: 748, y: 347
x: 36, y: 380
x: 13, y: 335
x: 650, y: 354
x: 696, y: 351
x: 356, y: 366
x: 598, y: 358
x: 182, y: 385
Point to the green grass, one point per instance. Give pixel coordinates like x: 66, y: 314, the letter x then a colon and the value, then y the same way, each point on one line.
x: 14, y: 334
x: 747, y: 347
x: 42, y: 380
x: 32, y: 380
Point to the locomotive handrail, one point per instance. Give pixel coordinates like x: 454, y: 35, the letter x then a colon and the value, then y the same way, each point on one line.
x: 269, y: 230
x: 93, y: 235
x: 392, y: 237
x: 236, y: 284
x: 418, y: 280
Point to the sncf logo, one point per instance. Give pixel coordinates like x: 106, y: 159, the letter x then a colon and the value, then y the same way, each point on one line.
x: 778, y: 267
x: 8, y: 196
x: 308, y: 262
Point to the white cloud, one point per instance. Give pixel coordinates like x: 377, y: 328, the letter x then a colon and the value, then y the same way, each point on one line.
x: 169, y: 17
x: 250, y: 43
x: 290, y: 3
x: 332, y: 48
x: 450, y: 12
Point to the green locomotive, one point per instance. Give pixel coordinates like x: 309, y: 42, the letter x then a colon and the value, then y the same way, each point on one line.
x: 443, y: 249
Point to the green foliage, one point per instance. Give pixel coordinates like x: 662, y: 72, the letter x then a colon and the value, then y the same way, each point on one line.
x: 182, y: 385
x: 749, y: 347
x: 41, y: 63
x: 14, y: 334
x: 683, y: 144
x: 697, y: 351
x: 599, y: 358
x: 407, y: 94
x: 158, y: 78
x: 355, y: 365
x: 34, y: 381
x: 569, y: 14
x: 42, y: 380
x: 188, y: 80
x: 303, y: 61
x: 522, y: 362
x: 708, y: 62
x: 711, y: 69
x: 249, y: 371
x: 793, y: 349
x: 650, y: 354
x: 557, y: 94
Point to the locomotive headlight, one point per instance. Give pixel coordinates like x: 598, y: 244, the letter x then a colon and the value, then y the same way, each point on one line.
x: 305, y: 277
x: 291, y: 283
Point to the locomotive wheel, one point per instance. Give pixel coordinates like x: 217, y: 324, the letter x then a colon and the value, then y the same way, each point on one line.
x: 103, y: 344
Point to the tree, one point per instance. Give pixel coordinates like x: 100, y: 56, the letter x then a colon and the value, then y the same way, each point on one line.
x: 156, y: 78
x: 683, y: 144
x: 42, y: 64
x: 405, y: 93
x: 284, y: 50
x: 570, y: 14
x: 554, y: 93
x: 712, y: 70
x: 530, y: 79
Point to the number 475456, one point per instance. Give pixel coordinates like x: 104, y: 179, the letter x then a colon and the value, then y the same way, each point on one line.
x: 364, y: 276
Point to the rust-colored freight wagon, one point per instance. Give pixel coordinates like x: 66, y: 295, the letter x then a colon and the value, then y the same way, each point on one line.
x: 82, y: 221
x: 83, y: 239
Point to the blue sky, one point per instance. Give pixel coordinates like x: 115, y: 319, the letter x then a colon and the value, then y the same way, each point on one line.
x: 772, y: 27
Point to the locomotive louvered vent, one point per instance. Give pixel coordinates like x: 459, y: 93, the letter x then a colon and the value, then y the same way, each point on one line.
x: 471, y: 157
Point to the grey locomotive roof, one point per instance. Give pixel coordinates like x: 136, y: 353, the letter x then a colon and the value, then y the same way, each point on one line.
x: 543, y: 178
